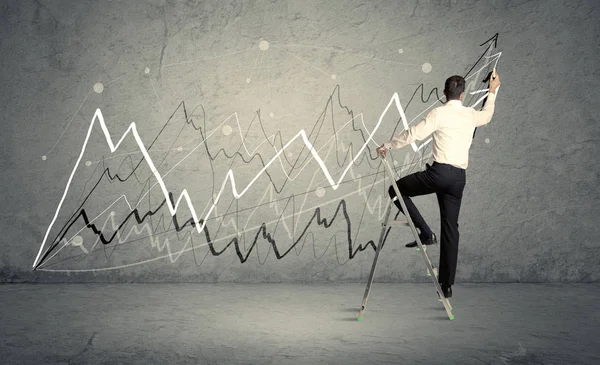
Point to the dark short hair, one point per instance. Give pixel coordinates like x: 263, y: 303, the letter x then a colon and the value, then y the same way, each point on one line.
x: 455, y: 85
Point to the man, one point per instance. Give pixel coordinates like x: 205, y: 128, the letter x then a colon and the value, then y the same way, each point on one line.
x: 452, y: 126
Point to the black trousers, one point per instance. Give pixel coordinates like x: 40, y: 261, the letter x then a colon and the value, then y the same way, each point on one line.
x: 448, y: 183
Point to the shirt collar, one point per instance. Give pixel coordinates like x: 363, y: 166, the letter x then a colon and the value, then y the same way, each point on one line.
x: 454, y: 102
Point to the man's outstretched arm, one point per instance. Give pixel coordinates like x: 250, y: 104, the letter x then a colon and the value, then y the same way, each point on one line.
x: 418, y: 132
x: 485, y: 115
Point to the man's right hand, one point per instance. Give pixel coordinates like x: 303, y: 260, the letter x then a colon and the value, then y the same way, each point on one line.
x: 382, y: 151
x: 494, y: 82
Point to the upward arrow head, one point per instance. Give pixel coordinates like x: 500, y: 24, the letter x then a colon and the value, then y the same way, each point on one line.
x: 493, y: 40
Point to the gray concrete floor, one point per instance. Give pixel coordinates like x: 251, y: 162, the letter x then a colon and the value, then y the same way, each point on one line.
x: 297, y: 324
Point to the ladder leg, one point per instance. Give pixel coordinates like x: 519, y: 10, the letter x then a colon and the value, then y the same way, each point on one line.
x: 372, y: 274
x: 434, y: 271
x: 428, y: 264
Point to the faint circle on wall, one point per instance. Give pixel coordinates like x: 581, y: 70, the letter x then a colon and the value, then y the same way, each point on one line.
x: 77, y: 240
x: 333, y: 77
x: 146, y: 70
x: 98, y: 87
x: 400, y: 50
x: 248, y: 80
x: 112, y: 213
x: 179, y: 148
x: 263, y: 45
x: 290, y: 155
x: 426, y: 67
x: 88, y: 163
x: 226, y: 130
x: 395, y: 162
x: 320, y: 192
x: 487, y: 140
x: 44, y: 157
x: 271, y: 115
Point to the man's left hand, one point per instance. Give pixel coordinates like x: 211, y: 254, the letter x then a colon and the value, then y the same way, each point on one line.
x: 382, y: 151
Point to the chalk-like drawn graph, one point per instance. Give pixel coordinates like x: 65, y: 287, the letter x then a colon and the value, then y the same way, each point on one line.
x: 254, y: 194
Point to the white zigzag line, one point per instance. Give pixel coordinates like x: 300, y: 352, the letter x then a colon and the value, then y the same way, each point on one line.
x: 229, y: 176
x: 224, y: 224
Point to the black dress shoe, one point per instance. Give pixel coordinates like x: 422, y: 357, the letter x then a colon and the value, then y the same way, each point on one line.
x: 428, y: 241
x: 447, y: 290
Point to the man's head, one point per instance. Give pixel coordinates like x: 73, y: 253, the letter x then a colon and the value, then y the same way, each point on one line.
x: 454, y: 88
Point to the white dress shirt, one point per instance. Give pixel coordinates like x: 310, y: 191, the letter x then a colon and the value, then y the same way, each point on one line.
x: 452, y: 126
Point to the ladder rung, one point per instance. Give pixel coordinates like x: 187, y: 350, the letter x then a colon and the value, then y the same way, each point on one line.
x: 401, y: 223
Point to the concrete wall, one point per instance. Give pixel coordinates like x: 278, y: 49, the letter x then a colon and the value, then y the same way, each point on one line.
x: 94, y: 92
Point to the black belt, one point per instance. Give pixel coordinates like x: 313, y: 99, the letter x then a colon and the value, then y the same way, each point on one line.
x: 446, y: 165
